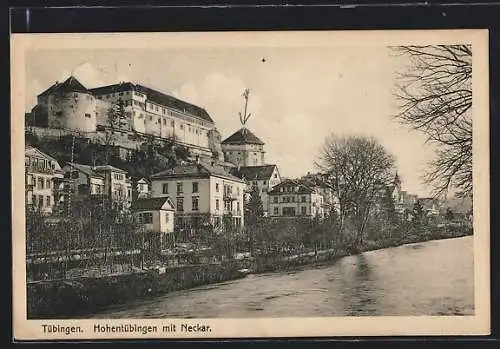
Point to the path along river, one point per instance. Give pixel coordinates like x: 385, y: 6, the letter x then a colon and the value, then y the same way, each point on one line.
x: 430, y: 278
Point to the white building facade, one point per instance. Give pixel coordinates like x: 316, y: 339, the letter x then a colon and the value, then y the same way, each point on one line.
x: 201, y: 194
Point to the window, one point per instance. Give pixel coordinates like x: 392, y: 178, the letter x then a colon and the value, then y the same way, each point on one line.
x: 164, y: 121
x: 40, y: 200
x: 145, y: 218
x: 195, y: 203
x: 172, y: 123
x: 180, y: 189
x: 275, y: 175
x: 167, y: 217
x: 275, y: 199
x: 195, y: 187
x: 47, y: 200
x: 40, y: 183
x: 238, y: 206
x: 165, y: 188
x: 217, y: 187
x: 163, y: 110
x: 293, y: 198
x: 276, y: 211
x: 217, y: 204
x: 288, y: 211
x: 265, y: 182
x: 181, y: 127
x: 303, y: 210
x: 87, y: 115
x: 303, y: 199
x: 47, y: 183
x: 150, y: 118
x: 180, y: 204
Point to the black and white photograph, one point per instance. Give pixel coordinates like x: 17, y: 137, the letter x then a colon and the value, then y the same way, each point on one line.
x: 174, y: 181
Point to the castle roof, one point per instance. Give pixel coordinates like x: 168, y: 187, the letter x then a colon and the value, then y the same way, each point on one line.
x: 71, y: 84
x: 243, y: 136
x: 195, y: 171
x: 254, y: 172
x: 156, y: 97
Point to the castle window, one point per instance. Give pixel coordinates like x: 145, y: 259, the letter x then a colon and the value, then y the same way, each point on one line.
x: 163, y: 110
x: 87, y: 115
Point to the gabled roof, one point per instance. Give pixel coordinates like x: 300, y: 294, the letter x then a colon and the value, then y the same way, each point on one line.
x: 251, y: 173
x: 243, y: 136
x: 88, y: 170
x: 71, y: 84
x: 195, y: 171
x: 109, y: 168
x: 34, y: 152
x: 156, y: 97
x: 147, y: 204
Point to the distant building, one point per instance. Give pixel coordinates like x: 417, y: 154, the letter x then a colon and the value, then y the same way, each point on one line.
x: 293, y: 198
x: 142, y: 189
x: 42, y: 175
x: 203, y: 194
x: 154, y: 214
x: 143, y: 111
x: 243, y: 148
x: 264, y: 177
x: 430, y: 206
x: 317, y: 181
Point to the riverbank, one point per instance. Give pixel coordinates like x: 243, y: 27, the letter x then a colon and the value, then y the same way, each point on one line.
x: 86, y: 295
x: 277, y: 263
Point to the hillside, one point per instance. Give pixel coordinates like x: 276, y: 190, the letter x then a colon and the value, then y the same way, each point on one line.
x: 150, y: 158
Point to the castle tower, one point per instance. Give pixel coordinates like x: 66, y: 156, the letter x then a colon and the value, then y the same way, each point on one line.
x: 68, y: 105
x: 243, y: 148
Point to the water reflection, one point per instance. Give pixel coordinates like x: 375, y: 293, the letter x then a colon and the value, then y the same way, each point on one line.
x: 432, y: 278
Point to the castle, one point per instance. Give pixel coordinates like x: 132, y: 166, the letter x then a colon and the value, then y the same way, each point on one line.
x: 138, y: 110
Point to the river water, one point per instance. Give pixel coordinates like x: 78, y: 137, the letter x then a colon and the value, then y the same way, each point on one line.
x: 430, y: 278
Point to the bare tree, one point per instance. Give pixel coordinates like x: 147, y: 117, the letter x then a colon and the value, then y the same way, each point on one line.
x: 435, y: 97
x: 356, y: 169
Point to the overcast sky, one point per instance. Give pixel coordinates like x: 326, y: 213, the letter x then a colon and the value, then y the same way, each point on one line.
x: 298, y: 96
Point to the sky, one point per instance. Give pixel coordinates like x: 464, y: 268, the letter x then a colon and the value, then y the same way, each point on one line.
x: 298, y: 96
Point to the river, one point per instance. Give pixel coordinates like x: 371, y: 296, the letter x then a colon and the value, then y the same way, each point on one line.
x: 430, y: 278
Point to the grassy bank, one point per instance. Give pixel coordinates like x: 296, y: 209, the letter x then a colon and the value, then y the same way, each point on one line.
x: 288, y: 262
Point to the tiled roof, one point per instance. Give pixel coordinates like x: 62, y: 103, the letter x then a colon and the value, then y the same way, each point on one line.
x: 150, y: 203
x: 254, y: 172
x: 243, y: 136
x: 70, y: 85
x: 195, y: 171
x: 88, y: 170
x: 109, y: 168
x: 302, y: 187
x: 156, y: 97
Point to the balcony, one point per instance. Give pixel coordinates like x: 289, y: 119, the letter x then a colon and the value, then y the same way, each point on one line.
x: 229, y: 196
